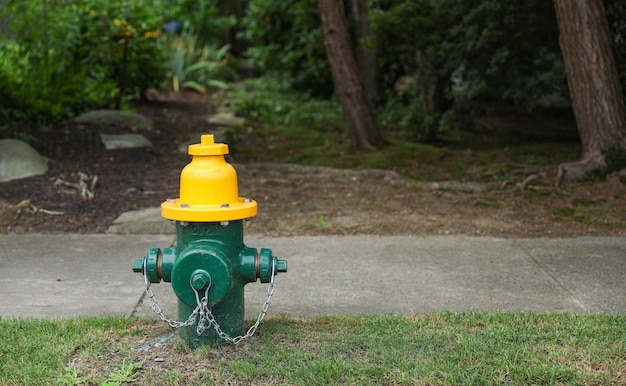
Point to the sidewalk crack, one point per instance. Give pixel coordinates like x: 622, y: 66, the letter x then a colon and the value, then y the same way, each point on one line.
x: 576, y: 301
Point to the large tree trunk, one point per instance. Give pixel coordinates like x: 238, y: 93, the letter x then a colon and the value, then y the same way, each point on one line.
x: 594, y: 86
x: 362, y: 126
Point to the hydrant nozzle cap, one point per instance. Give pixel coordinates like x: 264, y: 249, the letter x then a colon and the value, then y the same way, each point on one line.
x: 207, y: 146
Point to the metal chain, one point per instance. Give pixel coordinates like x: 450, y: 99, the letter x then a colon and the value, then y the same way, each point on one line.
x: 155, y: 307
x: 209, y: 316
x: 202, y: 309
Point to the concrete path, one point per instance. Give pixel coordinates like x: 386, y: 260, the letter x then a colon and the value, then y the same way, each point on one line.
x: 62, y: 276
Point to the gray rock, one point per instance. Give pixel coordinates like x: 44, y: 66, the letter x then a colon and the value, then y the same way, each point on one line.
x: 19, y: 160
x: 142, y: 221
x: 124, y: 141
x: 114, y: 117
x: 226, y: 118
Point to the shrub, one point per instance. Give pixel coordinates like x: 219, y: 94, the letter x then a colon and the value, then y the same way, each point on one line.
x: 286, y: 41
x: 460, y: 52
x: 76, y: 54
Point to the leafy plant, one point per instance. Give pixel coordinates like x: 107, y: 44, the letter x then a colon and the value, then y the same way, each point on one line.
x: 196, y: 66
x: 321, y: 225
x: 73, y: 55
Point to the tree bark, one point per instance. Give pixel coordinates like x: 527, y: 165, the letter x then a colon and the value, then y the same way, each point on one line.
x: 362, y: 126
x: 594, y: 85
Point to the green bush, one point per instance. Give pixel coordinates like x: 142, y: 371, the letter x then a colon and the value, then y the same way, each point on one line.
x: 58, y: 58
x: 461, y: 52
x: 286, y: 41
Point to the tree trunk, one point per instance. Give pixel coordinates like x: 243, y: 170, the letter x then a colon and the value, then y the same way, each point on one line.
x: 594, y: 86
x: 367, y: 59
x: 362, y: 126
x: 433, y: 91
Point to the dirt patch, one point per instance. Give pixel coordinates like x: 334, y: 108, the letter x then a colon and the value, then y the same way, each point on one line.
x: 293, y: 200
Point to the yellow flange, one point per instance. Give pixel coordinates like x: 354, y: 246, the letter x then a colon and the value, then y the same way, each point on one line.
x: 208, y: 188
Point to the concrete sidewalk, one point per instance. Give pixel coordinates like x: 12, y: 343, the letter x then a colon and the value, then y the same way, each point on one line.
x: 62, y: 276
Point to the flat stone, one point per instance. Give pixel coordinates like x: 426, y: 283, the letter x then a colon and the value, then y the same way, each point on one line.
x: 142, y: 221
x: 19, y: 160
x: 226, y: 118
x: 114, y: 117
x: 124, y: 141
x: 458, y: 186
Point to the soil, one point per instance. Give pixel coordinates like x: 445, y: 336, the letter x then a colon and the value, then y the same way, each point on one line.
x: 292, y: 199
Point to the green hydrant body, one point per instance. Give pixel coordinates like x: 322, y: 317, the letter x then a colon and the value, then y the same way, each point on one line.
x: 209, y: 264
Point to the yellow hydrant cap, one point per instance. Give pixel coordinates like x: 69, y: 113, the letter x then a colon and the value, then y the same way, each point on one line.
x: 208, y: 188
x: 207, y: 146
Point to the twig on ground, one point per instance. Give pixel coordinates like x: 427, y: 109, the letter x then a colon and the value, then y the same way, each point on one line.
x: 529, y: 179
x: 27, y: 206
x: 85, y: 186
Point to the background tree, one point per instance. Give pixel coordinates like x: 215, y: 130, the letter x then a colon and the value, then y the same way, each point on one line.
x: 594, y: 86
x: 362, y: 126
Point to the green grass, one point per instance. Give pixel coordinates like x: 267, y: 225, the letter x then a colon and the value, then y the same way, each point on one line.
x: 36, y: 352
x: 440, y: 348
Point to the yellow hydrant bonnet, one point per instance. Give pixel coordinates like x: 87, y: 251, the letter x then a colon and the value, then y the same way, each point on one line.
x: 208, y: 188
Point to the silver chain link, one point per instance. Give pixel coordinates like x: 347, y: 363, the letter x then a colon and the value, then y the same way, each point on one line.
x: 206, y: 316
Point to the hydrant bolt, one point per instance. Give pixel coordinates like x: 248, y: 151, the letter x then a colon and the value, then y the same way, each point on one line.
x: 138, y: 266
x: 200, y: 279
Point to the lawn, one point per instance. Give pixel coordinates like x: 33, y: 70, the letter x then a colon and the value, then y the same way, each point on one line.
x: 425, y: 349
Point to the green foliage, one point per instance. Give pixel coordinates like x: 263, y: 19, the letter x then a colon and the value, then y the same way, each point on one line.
x: 195, y: 65
x: 286, y: 40
x: 212, y: 20
x: 76, y: 54
x: 270, y: 100
x: 459, y: 52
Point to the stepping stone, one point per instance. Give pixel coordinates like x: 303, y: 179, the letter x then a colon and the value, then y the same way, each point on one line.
x: 19, y: 160
x: 124, y: 141
x: 114, y: 117
x: 226, y: 118
x: 142, y: 221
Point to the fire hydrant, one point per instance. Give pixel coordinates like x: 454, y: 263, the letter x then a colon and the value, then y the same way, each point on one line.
x: 209, y: 264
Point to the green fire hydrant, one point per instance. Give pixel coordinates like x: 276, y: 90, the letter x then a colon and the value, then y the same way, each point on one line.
x: 209, y: 264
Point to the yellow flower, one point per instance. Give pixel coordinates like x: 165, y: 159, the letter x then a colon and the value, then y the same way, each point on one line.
x: 154, y: 34
x: 117, y: 22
